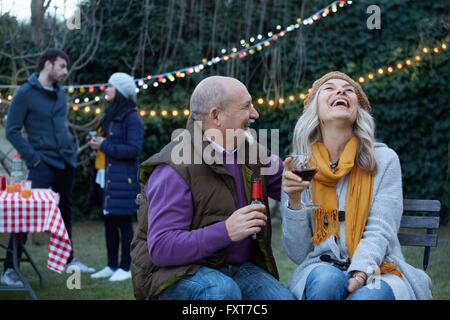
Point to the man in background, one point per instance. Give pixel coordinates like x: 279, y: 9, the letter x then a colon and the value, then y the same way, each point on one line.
x: 49, y: 148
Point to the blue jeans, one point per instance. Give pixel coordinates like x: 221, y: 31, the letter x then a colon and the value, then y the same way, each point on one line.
x: 327, y: 282
x: 244, y: 282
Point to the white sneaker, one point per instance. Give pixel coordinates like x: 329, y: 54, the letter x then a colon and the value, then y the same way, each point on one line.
x: 80, y: 265
x: 120, y: 275
x: 11, y: 278
x: 106, y: 272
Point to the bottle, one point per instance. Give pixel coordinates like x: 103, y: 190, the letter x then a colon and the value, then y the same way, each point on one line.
x: 17, y: 172
x: 256, y: 193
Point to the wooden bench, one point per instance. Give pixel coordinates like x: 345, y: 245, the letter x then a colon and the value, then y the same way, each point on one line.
x: 430, y: 223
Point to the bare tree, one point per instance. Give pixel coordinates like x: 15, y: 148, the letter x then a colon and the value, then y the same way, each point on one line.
x: 38, y: 9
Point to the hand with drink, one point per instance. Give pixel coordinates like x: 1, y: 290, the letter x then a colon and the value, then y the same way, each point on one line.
x: 299, y: 170
x: 95, y: 142
x: 246, y: 221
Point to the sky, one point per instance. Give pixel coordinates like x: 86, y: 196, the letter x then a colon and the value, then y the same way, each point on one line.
x: 21, y: 8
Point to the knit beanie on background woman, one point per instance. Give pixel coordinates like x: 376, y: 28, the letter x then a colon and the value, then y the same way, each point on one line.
x: 125, y: 84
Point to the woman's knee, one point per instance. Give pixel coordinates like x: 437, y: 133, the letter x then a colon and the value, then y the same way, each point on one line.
x: 373, y: 292
x: 326, y: 282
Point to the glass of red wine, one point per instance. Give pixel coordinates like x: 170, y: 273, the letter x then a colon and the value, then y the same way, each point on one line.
x: 304, y: 165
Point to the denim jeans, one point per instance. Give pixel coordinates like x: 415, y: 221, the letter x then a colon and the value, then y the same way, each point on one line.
x: 327, y: 282
x: 244, y: 282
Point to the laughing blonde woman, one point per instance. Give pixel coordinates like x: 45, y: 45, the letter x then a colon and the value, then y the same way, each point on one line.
x: 348, y: 248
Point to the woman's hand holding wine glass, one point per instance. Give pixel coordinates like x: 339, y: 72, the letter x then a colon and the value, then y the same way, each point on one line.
x: 292, y: 184
x: 302, y: 165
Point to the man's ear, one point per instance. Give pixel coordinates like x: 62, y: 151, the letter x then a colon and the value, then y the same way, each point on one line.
x: 48, y: 65
x: 214, y: 116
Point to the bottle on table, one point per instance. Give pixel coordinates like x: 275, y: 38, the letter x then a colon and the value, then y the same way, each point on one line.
x: 17, y: 172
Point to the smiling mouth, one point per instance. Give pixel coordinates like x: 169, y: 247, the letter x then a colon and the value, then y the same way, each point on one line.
x: 340, y: 103
x: 248, y: 124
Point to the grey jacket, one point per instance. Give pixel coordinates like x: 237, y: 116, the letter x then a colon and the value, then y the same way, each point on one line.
x: 379, y: 241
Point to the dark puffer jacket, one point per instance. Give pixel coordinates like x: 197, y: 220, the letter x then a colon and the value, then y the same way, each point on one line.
x: 122, y: 148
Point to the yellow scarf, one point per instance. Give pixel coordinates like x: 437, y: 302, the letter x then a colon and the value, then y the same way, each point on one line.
x: 100, y: 160
x: 357, y: 202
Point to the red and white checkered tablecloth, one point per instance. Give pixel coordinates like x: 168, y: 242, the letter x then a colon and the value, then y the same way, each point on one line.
x: 38, y: 213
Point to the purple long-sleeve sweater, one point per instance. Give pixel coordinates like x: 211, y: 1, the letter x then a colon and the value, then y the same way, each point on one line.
x: 170, y: 242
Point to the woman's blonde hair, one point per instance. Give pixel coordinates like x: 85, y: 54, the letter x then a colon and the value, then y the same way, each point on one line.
x: 307, y: 132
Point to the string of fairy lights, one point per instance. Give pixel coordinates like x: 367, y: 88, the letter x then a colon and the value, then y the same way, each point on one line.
x: 253, y: 45
x: 377, y: 73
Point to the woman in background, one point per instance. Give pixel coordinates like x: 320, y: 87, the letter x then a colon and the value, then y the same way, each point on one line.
x: 118, y: 144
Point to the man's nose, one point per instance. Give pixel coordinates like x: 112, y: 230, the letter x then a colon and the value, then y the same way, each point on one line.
x: 253, y: 113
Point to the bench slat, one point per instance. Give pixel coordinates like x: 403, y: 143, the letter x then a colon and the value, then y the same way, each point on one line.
x: 421, y: 205
x: 418, y: 222
x: 420, y: 240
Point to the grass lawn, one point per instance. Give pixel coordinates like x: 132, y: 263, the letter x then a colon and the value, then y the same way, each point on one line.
x: 90, y: 248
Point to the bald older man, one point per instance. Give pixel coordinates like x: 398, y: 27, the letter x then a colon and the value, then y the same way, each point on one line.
x: 194, y: 239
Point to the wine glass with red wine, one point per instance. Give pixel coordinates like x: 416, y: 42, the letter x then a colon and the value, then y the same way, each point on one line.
x: 304, y: 165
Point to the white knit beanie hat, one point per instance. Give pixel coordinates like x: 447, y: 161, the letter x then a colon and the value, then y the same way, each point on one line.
x: 125, y: 84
